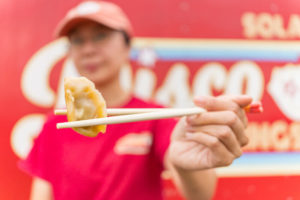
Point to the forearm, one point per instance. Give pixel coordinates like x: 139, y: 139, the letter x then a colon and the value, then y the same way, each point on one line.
x: 198, y: 185
x: 41, y: 189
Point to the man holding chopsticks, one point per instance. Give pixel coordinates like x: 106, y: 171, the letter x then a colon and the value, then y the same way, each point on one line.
x: 126, y: 162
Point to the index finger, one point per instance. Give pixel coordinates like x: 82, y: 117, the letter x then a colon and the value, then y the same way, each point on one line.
x: 233, y: 103
x: 223, y: 102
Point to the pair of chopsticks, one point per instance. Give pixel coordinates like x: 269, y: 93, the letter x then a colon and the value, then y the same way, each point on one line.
x: 142, y: 114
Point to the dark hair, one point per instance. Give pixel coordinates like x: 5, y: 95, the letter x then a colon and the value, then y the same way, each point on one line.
x: 127, y: 39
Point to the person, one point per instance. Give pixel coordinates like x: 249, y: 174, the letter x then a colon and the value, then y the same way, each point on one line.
x: 127, y: 161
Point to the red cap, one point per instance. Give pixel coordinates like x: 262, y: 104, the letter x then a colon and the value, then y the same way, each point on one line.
x: 102, y: 12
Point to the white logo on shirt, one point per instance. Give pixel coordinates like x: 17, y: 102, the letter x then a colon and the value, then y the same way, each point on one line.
x: 134, y: 144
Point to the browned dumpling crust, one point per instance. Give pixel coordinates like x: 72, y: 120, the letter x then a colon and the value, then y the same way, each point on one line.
x: 83, y: 102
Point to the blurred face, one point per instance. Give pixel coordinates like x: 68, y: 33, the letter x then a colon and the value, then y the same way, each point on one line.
x: 98, y: 52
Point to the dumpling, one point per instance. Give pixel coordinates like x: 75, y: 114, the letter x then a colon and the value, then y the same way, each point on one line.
x: 83, y: 101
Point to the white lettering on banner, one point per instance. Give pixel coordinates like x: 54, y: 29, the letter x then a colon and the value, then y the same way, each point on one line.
x: 36, y: 73
x: 248, y: 22
x: 294, y: 26
x: 24, y: 132
x: 214, y: 75
x: 251, y: 73
x: 126, y: 77
x: 211, y: 75
x: 175, y: 90
x: 295, y: 130
x: 284, y: 87
x: 279, y: 135
x: 68, y: 70
x: 267, y: 26
x: 264, y: 25
x: 145, y: 82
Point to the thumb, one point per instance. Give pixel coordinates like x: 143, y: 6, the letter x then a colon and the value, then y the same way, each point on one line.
x: 179, y: 130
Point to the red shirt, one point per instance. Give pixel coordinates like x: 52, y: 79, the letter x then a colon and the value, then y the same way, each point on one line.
x: 124, y: 163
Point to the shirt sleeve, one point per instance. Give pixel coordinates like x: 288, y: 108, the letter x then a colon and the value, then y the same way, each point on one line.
x: 162, y: 134
x: 41, y: 160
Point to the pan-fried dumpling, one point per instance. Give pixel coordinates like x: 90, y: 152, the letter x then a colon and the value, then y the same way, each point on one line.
x: 84, y: 102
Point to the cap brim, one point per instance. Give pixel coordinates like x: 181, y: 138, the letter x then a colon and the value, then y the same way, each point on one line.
x: 66, y: 26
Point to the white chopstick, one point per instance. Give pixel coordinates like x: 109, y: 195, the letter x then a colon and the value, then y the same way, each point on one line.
x: 120, y: 111
x: 167, y: 113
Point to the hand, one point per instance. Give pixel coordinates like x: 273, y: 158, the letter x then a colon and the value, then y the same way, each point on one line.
x: 210, y: 139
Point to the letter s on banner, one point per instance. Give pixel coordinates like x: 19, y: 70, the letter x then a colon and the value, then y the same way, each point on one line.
x: 36, y: 89
x: 35, y: 76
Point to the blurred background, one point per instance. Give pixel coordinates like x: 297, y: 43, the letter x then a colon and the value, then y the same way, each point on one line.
x: 181, y: 49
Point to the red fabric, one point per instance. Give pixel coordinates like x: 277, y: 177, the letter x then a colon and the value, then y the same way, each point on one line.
x: 80, y: 167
